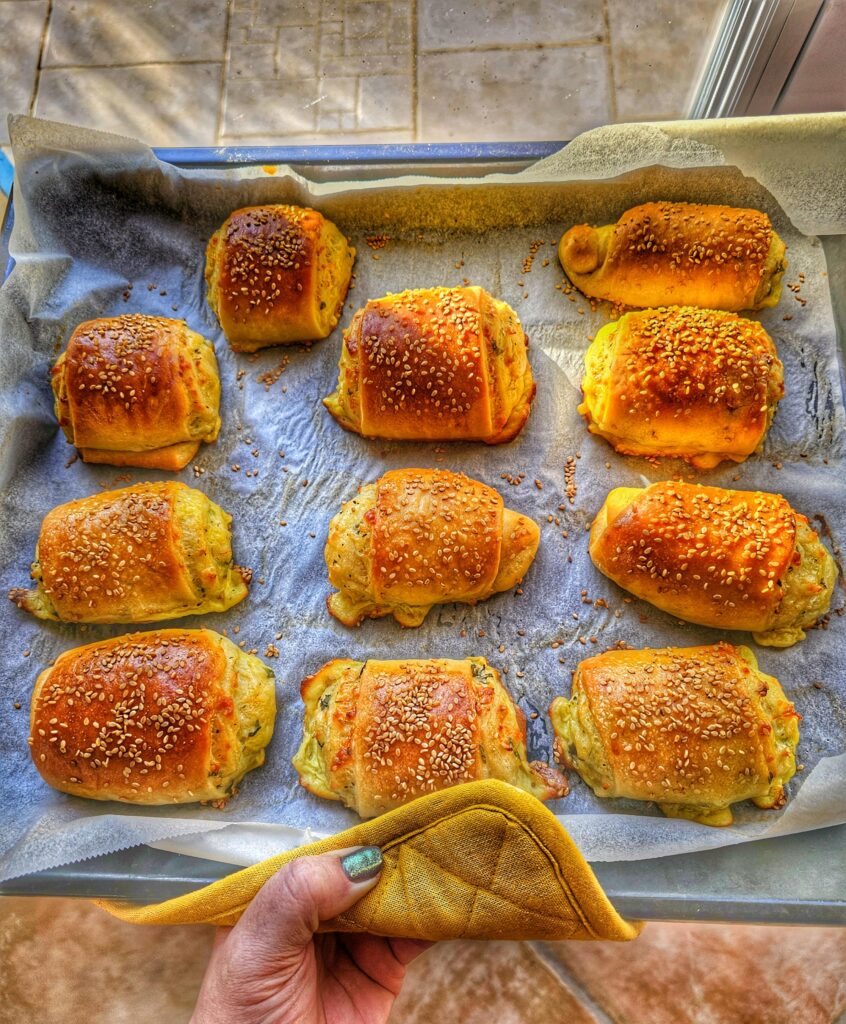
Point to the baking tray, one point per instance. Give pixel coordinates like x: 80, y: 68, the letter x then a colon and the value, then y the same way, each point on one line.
x: 795, y: 879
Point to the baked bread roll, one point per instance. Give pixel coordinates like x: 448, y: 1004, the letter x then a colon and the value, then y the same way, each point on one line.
x: 167, y: 717
x: 728, y: 559
x: 137, y: 390
x: 377, y: 734
x: 678, y: 254
x: 695, y: 729
x: 140, y: 554
x: 694, y: 383
x: 421, y: 537
x: 437, y: 364
x: 277, y: 275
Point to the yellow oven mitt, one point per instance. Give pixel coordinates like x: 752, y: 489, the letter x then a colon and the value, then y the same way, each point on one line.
x: 479, y: 861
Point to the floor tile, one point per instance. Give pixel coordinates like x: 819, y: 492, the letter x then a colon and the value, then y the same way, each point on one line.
x: 658, y: 50
x: 287, y: 107
x: 519, y: 95
x: 21, y: 27
x: 66, y: 962
x: 346, y: 70
x: 445, y: 25
x: 101, y: 32
x: 385, y: 102
x: 481, y: 982
x: 171, y: 104
x: 714, y: 974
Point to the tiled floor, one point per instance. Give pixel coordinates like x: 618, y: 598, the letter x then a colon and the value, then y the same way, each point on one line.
x: 65, y: 962
x: 202, y: 72
x: 230, y: 71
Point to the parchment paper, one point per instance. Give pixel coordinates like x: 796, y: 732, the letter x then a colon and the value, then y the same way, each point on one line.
x: 96, y: 214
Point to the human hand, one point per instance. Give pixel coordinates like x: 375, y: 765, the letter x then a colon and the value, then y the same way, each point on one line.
x: 272, y: 968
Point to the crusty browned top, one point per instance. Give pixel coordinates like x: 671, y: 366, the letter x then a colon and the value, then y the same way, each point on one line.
x: 114, y: 551
x: 268, y: 260
x: 719, y: 554
x: 124, y: 380
x: 417, y: 729
x: 726, y: 240
x: 680, y: 721
x: 435, y: 535
x: 131, y: 715
x: 423, y: 364
x: 680, y: 358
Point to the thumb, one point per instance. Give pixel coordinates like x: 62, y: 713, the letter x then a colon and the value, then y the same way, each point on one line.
x: 290, y: 906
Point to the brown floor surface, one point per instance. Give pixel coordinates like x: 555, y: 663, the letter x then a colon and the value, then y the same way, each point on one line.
x: 67, y: 962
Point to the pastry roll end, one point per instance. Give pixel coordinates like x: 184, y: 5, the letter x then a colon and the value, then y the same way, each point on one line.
x: 417, y: 538
x: 137, y: 390
x: 140, y: 554
x: 377, y: 734
x: 168, y: 716
x: 728, y: 559
x: 697, y: 384
x: 692, y: 729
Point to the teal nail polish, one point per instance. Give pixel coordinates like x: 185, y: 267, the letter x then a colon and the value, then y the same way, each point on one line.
x: 362, y: 865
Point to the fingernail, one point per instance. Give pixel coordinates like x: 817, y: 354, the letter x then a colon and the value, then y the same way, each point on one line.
x: 362, y: 865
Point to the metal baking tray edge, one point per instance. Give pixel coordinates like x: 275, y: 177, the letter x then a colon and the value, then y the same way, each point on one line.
x: 798, y: 879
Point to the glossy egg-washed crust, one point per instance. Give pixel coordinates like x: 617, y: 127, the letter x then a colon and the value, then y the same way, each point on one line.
x: 140, y: 554
x: 137, y: 390
x: 443, y: 364
x: 377, y: 734
x: 678, y: 254
x: 699, y: 384
x: 277, y: 275
x: 694, y: 729
x: 169, y: 716
x: 421, y: 537
x: 729, y: 559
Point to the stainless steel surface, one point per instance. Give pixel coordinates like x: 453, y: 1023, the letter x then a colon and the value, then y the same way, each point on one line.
x: 753, y: 55
x: 798, y: 879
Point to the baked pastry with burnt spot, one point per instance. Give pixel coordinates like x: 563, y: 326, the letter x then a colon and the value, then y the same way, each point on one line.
x: 438, y: 364
x: 678, y: 254
x: 167, y: 717
x: 695, y: 729
x: 137, y: 390
x: 421, y: 537
x: 377, y: 734
x: 277, y: 275
x: 697, y: 384
x: 728, y: 559
x: 140, y: 554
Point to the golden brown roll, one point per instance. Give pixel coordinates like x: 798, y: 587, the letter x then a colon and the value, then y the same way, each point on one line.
x: 277, y: 275
x: 137, y: 390
x: 695, y: 383
x: 377, y: 734
x: 140, y: 554
x: 728, y: 559
x: 695, y: 729
x: 421, y: 537
x: 171, y: 716
x: 438, y: 364
x: 678, y: 254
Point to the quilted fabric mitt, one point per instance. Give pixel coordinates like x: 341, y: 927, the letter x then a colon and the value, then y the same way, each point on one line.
x: 479, y: 861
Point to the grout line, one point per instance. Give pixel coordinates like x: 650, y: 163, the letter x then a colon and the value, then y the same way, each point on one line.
x: 609, y: 58
x: 415, y: 87
x: 508, y: 47
x: 232, y: 139
x: 542, y: 951
x: 36, y: 85
x: 224, y: 68
x: 135, y: 64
